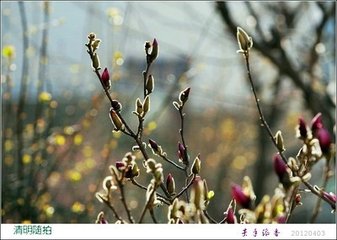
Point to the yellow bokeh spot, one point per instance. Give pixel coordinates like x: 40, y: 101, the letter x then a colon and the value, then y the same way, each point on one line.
x: 87, y: 151
x: 77, y: 207
x: 89, y: 163
x: 152, y: 125
x: 210, y: 195
x: 60, y: 140
x: 26, y: 159
x: 78, y: 139
x: 26, y: 221
x: 49, y: 210
x: 69, y: 130
x: 8, y: 51
x: 239, y: 162
x: 112, y: 12
x: 74, y: 176
x: 118, y: 58
x: 8, y: 145
x: 45, y: 97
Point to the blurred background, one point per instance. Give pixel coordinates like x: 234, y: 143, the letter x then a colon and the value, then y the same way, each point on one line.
x: 57, y: 140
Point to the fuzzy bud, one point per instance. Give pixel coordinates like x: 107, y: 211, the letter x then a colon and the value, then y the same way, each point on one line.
x: 170, y: 184
x: 279, y: 166
x: 240, y: 197
x: 245, y: 42
x: 120, y: 166
x: 230, y: 216
x: 182, y: 154
x: 146, y: 105
x: 154, y: 52
x: 95, y: 44
x: 279, y: 141
x: 106, y: 79
x: 95, y: 61
x: 183, y: 96
x: 139, y: 107
x: 196, y: 165
x: 302, y: 128
x: 116, y: 120
x: 150, y: 84
x: 324, y: 139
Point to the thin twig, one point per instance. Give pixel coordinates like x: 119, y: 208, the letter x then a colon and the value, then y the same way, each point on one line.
x: 153, y: 216
x: 173, y: 163
x: 147, y: 205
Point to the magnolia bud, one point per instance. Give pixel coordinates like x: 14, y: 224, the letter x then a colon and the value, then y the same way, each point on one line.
x: 146, y: 105
x: 153, y: 145
x: 302, y: 129
x: 150, y: 84
x: 106, y: 79
x: 230, y: 216
x: 116, y: 120
x: 95, y: 61
x: 279, y: 141
x: 139, y: 107
x: 182, y: 154
x: 245, y: 41
x: 95, y: 44
x: 154, y: 52
x: 324, y: 139
x: 170, y: 184
x: 183, y: 96
x: 240, y: 197
x: 196, y: 165
x: 120, y: 166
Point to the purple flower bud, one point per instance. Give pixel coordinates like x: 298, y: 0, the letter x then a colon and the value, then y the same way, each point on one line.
x: 302, y: 128
x: 316, y: 122
x: 330, y: 196
x: 230, y: 218
x: 240, y: 197
x: 182, y: 154
x: 324, y: 139
x: 280, y: 167
x: 106, y: 79
x: 170, y: 184
x: 120, y: 166
x: 153, y: 145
